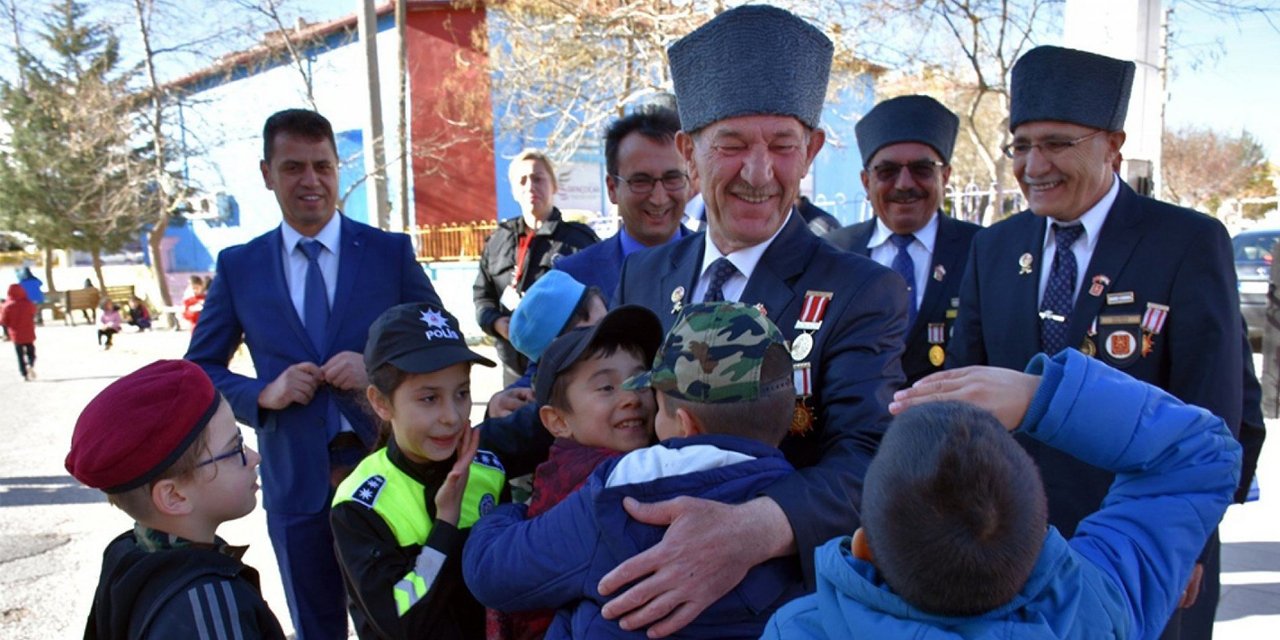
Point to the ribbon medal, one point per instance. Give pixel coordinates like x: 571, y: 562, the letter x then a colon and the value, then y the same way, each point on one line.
x: 1152, y: 323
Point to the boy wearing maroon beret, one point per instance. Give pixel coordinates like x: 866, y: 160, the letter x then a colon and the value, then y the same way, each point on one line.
x: 165, y: 448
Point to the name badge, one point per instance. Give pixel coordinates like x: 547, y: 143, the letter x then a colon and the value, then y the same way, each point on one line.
x: 1120, y: 297
x: 1109, y: 320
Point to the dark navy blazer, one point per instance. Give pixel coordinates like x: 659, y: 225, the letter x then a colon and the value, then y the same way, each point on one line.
x: 856, y: 361
x: 250, y: 301
x: 599, y: 265
x: 1147, y: 252
x: 950, y: 254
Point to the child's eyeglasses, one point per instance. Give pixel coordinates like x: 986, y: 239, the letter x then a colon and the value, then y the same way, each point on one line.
x: 237, y: 451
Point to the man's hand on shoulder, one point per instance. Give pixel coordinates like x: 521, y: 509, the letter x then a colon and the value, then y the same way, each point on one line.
x: 707, y: 550
x: 345, y: 370
x: 297, y: 384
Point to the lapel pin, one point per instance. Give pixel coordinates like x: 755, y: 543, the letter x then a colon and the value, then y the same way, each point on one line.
x: 1024, y: 264
x: 1100, y: 283
x: 677, y: 299
x: 939, y: 272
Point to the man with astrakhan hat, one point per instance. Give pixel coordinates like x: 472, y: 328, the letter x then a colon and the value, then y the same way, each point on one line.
x: 1144, y: 286
x: 750, y: 85
x: 906, y: 144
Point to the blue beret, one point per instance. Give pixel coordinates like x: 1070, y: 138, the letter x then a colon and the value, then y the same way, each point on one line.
x: 907, y: 119
x: 544, y: 312
x: 752, y: 60
x: 1054, y: 83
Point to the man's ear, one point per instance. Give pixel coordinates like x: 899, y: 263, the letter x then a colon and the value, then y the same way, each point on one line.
x: 379, y: 402
x: 689, y: 424
x: 168, y: 498
x: 266, y: 175
x: 553, y: 421
x: 684, y: 144
x: 860, y: 548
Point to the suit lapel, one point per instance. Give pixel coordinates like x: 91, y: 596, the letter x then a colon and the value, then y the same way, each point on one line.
x: 945, y: 255
x: 686, y: 258
x: 862, y: 236
x: 1024, y: 288
x: 1120, y: 234
x: 785, y: 259
x: 279, y: 286
x: 349, y: 261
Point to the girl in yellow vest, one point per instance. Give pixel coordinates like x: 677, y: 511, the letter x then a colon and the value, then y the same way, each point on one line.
x: 400, y: 519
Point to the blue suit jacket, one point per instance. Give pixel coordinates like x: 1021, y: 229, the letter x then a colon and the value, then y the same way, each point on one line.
x: 950, y: 254
x: 1157, y: 252
x: 856, y: 361
x: 599, y: 265
x: 249, y: 301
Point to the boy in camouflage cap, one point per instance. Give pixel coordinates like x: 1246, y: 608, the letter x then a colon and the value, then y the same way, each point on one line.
x: 723, y: 382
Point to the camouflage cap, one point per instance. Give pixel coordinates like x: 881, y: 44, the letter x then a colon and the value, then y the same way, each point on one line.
x: 712, y: 355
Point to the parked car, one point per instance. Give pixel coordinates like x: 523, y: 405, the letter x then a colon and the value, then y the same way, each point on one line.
x: 1254, y: 253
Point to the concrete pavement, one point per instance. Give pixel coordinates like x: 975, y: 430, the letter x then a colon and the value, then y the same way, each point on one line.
x: 53, y: 531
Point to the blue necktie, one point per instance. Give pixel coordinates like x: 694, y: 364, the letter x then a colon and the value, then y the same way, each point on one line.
x: 315, y: 297
x: 904, y: 266
x: 1059, y: 293
x: 721, y: 271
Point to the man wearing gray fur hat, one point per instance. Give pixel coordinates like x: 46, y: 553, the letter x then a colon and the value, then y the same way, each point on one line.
x: 1147, y: 287
x: 906, y: 145
x: 750, y: 86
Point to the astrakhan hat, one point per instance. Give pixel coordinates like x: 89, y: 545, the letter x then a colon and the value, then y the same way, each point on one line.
x: 752, y: 60
x: 907, y: 119
x: 1067, y: 85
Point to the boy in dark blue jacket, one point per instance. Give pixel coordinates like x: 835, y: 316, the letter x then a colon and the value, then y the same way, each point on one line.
x: 955, y: 539
x: 725, y: 400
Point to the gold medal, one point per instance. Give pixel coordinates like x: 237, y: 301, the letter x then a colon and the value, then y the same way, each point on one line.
x: 937, y: 355
x: 801, y: 347
x: 801, y: 419
x: 1088, y: 348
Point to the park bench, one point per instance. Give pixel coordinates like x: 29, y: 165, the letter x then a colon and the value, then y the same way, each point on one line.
x: 90, y: 299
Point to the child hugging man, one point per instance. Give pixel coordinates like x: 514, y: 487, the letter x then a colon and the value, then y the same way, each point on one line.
x: 724, y: 402
x: 165, y: 448
x: 954, y: 530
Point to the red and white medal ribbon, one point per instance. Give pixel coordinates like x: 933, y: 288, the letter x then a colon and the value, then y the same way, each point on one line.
x: 1153, y: 320
x: 814, y: 309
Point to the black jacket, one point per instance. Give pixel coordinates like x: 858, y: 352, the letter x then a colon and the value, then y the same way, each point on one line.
x: 175, y: 592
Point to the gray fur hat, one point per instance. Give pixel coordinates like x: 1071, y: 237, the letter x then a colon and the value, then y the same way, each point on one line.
x: 1067, y: 85
x: 907, y: 119
x: 752, y: 60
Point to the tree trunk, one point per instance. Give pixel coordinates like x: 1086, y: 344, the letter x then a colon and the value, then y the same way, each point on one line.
x: 48, y: 270
x: 155, y: 238
x: 97, y: 270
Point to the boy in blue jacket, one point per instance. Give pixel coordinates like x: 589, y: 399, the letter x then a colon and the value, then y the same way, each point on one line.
x: 725, y: 400
x: 954, y: 534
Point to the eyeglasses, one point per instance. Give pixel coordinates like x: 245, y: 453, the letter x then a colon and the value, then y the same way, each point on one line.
x: 237, y: 451
x: 1047, y: 147
x: 642, y: 184
x: 920, y: 170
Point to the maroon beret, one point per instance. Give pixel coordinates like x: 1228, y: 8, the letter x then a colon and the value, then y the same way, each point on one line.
x: 140, y: 425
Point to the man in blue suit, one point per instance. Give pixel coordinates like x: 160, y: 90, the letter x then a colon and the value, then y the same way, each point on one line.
x: 906, y: 146
x: 648, y: 183
x: 1147, y: 287
x: 302, y: 297
x: 750, y: 86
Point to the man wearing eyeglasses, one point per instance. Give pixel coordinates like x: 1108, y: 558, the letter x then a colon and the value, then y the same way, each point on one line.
x: 906, y: 145
x: 750, y: 85
x: 648, y: 183
x: 1144, y: 286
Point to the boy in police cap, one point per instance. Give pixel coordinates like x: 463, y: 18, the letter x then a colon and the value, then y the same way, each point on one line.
x: 164, y: 446
x: 725, y: 400
x: 954, y: 539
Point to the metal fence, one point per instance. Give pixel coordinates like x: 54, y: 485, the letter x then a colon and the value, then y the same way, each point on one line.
x: 971, y: 202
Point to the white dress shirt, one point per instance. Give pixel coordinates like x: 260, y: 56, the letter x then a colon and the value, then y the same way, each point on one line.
x: 920, y: 250
x: 1083, y: 248
x: 744, y: 259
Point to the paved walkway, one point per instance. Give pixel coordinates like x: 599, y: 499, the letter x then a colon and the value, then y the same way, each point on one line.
x: 53, y: 531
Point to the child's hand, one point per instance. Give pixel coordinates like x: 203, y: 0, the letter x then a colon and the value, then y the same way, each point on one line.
x: 1004, y: 392
x: 449, y: 496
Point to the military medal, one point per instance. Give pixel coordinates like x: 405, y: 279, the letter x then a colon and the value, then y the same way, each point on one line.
x: 802, y: 416
x: 937, y: 336
x: 939, y: 272
x: 1088, y: 347
x: 801, y: 347
x: 1099, y: 285
x: 1152, y: 323
x: 813, y: 310
x: 677, y: 299
x: 1024, y: 264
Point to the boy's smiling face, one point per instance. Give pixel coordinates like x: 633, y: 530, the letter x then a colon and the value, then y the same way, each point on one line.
x: 428, y: 412
x: 601, y: 413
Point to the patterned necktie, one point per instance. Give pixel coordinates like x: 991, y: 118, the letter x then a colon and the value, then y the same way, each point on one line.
x: 904, y: 266
x: 315, y: 297
x: 1059, y: 293
x: 721, y: 271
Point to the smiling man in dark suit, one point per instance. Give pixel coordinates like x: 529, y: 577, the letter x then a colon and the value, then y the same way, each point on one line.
x: 1146, y: 287
x: 302, y: 297
x: 750, y: 85
x: 906, y: 146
